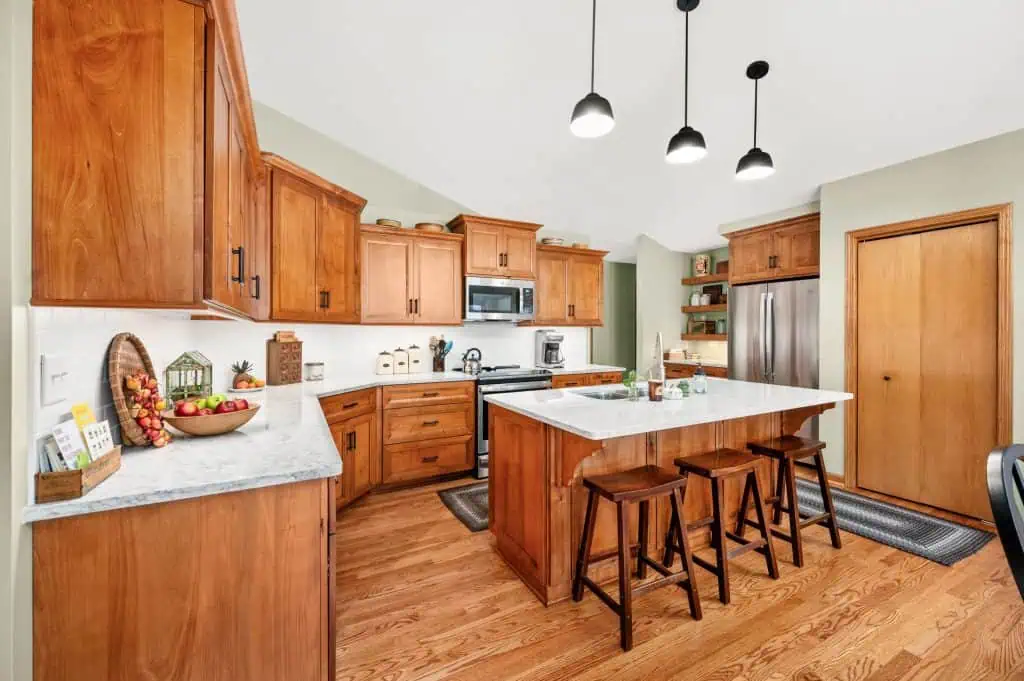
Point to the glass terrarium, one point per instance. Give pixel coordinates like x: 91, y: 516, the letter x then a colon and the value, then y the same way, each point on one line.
x: 190, y: 376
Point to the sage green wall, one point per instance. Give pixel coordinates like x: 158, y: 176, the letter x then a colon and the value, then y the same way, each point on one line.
x: 659, y: 295
x: 980, y: 174
x: 615, y: 342
x: 388, y: 193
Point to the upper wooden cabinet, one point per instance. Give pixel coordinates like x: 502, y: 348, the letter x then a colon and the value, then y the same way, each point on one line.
x: 118, y: 109
x: 498, y: 248
x: 411, y: 277
x: 781, y: 250
x: 314, y: 229
x: 570, y: 286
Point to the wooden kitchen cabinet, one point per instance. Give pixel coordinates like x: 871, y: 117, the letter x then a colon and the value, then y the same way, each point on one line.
x: 582, y: 380
x: 357, y: 442
x: 780, y: 250
x: 570, y: 286
x: 411, y: 278
x: 498, y: 248
x: 314, y: 247
x: 118, y: 109
x: 688, y: 370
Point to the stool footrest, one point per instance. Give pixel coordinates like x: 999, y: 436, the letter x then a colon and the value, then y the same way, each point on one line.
x: 600, y: 593
x: 815, y: 520
x: 707, y: 565
x: 698, y: 524
x: 746, y: 545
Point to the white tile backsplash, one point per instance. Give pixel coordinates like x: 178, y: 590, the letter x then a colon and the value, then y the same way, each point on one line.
x: 82, y: 335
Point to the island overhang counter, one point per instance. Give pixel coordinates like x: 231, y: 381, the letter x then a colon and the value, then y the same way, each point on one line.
x: 543, y: 443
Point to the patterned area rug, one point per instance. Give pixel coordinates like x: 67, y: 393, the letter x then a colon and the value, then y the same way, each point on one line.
x: 939, y: 540
x: 468, y: 504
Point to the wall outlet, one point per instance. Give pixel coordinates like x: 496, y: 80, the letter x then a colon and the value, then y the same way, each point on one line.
x: 55, y: 381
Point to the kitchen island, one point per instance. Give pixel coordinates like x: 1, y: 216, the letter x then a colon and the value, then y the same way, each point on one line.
x: 544, y: 443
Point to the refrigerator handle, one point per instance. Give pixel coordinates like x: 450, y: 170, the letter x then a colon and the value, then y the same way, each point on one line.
x: 770, y: 338
x: 763, y: 323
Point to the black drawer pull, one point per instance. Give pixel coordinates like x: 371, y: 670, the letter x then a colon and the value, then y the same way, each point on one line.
x: 428, y: 459
x: 350, y: 405
x: 434, y: 394
x: 431, y: 423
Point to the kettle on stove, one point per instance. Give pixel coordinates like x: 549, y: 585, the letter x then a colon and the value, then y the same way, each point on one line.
x: 471, y: 361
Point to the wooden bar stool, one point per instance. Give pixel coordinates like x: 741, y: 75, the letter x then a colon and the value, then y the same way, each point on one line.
x: 788, y: 451
x: 641, y: 485
x: 718, y: 466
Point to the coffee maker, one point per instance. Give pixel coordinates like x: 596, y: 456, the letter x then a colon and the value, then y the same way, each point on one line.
x: 548, y: 349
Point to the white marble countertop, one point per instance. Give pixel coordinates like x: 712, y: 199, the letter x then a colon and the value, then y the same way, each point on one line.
x: 594, y: 419
x: 288, y: 441
x: 695, y: 362
x: 585, y: 369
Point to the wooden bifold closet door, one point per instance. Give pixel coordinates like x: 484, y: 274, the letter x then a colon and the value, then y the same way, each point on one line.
x: 927, y: 366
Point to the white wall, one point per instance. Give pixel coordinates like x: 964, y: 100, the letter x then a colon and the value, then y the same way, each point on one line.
x: 82, y: 336
x: 659, y: 297
x: 980, y: 174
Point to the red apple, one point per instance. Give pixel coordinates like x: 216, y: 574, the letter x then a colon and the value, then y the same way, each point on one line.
x: 205, y: 411
x: 155, y: 423
x: 225, y: 407
x: 153, y: 435
x: 241, y: 405
x: 145, y: 422
x: 152, y: 384
x: 186, y: 409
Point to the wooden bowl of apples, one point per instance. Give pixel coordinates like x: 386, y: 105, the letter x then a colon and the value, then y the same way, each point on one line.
x: 199, y: 419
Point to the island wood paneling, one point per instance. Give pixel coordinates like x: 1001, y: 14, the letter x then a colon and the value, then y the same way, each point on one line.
x: 230, y: 586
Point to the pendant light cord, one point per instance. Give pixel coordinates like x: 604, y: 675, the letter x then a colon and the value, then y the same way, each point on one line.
x: 686, y: 74
x: 593, y: 40
x: 755, y: 113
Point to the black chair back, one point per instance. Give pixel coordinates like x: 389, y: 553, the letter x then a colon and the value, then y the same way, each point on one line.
x: 1006, y: 492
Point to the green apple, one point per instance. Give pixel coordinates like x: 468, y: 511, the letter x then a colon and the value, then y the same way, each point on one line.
x: 201, y: 403
x: 213, y: 400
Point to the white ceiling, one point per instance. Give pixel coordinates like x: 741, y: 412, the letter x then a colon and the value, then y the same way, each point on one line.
x: 472, y: 97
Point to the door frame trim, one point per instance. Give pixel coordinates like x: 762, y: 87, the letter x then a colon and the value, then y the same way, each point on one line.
x: 1002, y: 214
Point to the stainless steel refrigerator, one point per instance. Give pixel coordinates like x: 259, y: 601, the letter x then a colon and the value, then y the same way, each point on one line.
x: 773, y: 334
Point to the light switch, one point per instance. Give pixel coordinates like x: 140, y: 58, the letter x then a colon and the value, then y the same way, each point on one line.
x: 56, y: 379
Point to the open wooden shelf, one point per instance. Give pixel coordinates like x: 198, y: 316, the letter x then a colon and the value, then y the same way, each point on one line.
x: 706, y: 279
x: 718, y: 307
x: 705, y: 336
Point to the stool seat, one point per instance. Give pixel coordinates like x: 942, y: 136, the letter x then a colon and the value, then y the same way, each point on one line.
x: 635, y: 483
x: 791, y: 446
x: 718, y: 463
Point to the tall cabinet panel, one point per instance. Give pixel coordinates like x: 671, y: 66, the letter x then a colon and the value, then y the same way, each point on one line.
x: 117, y: 219
x: 387, y: 278
x: 570, y: 286
x: 338, y: 264
x: 293, y: 233
x: 438, y: 277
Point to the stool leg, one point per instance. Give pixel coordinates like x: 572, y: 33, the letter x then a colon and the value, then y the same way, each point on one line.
x: 780, y: 479
x: 741, y: 518
x: 766, y: 534
x: 586, y: 540
x: 641, y: 552
x: 718, y: 539
x: 625, y: 585
x: 794, y: 514
x: 826, y: 494
x: 684, y: 544
x: 669, y: 555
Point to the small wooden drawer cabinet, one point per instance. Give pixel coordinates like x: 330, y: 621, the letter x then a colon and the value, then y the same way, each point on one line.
x: 582, y: 380
x: 427, y: 430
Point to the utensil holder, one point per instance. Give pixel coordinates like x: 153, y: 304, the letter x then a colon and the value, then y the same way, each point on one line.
x: 438, y: 364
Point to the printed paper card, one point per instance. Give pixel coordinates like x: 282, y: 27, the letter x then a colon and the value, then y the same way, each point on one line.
x: 98, y: 439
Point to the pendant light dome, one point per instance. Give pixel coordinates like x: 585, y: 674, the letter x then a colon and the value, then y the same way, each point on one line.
x: 756, y: 163
x: 592, y: 116
x: 687, y: 145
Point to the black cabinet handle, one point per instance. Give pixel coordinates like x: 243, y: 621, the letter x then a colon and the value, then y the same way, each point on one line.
x: 434, y: 394
x: 350, y: 405
x: 886, y: 378
x: 431, y: 423
x: 240, y: 252
x: 416, y: 305
x: 323, y: 302
x: 428, y: 459
x: 327, y: 299
x: 410, y: 306
x: 257, y: 279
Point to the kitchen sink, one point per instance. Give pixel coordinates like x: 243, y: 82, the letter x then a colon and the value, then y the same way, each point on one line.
x: 614, y: 394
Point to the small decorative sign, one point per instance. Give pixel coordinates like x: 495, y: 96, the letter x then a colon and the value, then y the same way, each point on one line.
x: 98, y: 439
x: 702, y: 265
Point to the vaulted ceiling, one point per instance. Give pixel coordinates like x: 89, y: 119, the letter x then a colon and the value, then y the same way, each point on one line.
x: 472, y: 97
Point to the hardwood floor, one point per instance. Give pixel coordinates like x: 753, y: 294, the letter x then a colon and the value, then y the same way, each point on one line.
x: 420, y: 597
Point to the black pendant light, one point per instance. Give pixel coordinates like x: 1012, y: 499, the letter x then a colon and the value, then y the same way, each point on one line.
x: 592, y: 116
x: 687, y: 145
x: 756, y: 163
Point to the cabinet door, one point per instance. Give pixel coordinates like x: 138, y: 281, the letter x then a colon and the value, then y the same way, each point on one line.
x: 796, y: 249
x: 295, y: 205
x: 387, y: 267
x: 520, y: 249
x: 338, y: 262
x: 437, y: 298
x: 484, y: 245
x: 586, y: 290
x: 118, y: 110
x: 259, y: 279
x: 749, y: 257
x: 552, y: 288
x: 361, y: 462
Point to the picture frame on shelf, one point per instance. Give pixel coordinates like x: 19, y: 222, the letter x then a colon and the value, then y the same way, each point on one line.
x: 702, y: 265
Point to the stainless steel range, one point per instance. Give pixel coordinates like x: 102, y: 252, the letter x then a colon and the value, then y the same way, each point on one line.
x: 493, y: 380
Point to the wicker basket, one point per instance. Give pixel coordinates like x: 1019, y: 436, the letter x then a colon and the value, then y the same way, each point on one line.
x: 127, y: 355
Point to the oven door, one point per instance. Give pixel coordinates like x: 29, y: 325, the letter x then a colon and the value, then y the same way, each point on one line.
x: 482, y: 406
x: 501, y: 300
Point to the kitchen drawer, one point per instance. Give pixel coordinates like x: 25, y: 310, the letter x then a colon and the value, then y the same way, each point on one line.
x: 426, y: 394
x: 572, y: 380
x: 679, y: 370
x: 607, y: 378
x: 347, y: 405
x: 717, y: 372
x: 419, y: 460
x: 427, y: 423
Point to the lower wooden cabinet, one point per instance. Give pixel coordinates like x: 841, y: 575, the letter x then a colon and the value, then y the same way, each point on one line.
x: 688, y: 370
x: 358, y: 442
x: 420, y: 460
x: 581, y: 380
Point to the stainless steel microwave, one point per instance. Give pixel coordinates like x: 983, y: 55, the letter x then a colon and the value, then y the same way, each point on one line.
x: 489, y: 299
